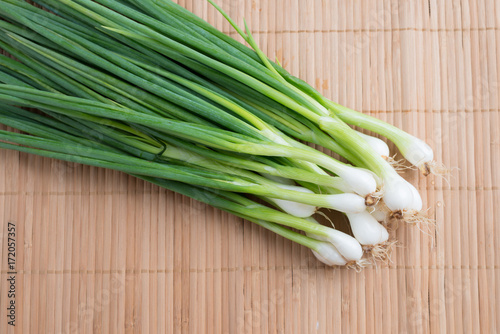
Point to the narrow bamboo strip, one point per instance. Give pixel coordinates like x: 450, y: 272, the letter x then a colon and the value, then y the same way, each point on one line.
x: 67, y: 255
x: 117, y: 279
x: 461, y: 115
x: 128, y: 316
x: 481, y: 99
x: 202, y: 272
x: 161, y: 283
x: 60, y: 236
x: 493, y: 99
x: 227, y: 284
x: 495, y: 162
x: 183, y: 284
x: 43, y: 253
x: 145, y: 254
x: 57, y: 233
x: 170, y: 263
x: 193, y: 244
x: 455, y: 215
x: 27, y: 261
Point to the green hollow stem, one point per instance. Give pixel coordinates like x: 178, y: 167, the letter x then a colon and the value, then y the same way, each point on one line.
x: 136, y: 21
x: 128, y: 164
x: 102, y: 83
x: 352, y: 141
x: 246, y: 206
x: 203, y: 135
x: 367, y: 122
x: 261, y: 165
x: 188, y: 152
x: 101, y: 57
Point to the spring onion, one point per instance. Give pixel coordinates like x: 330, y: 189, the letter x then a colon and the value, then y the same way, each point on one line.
x: 147, y: 88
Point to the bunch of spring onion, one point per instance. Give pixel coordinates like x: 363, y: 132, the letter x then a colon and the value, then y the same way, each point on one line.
x: 150, y: 89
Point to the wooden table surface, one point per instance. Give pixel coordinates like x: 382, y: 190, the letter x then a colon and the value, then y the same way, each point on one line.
x: 101, y: 252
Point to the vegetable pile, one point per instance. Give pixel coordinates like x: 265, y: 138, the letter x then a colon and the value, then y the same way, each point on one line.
x: 150, y: 89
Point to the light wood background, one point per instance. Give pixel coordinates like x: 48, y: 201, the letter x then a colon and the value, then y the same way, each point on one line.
x: 101, y: 252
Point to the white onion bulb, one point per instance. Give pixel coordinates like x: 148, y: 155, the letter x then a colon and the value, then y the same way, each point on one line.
x: 294, y: 208
x: 328, y: 254
x: 366, y: 229
x: 378, y: 145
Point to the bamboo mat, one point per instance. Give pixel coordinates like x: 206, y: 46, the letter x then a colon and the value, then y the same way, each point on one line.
x: 101, y: 252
